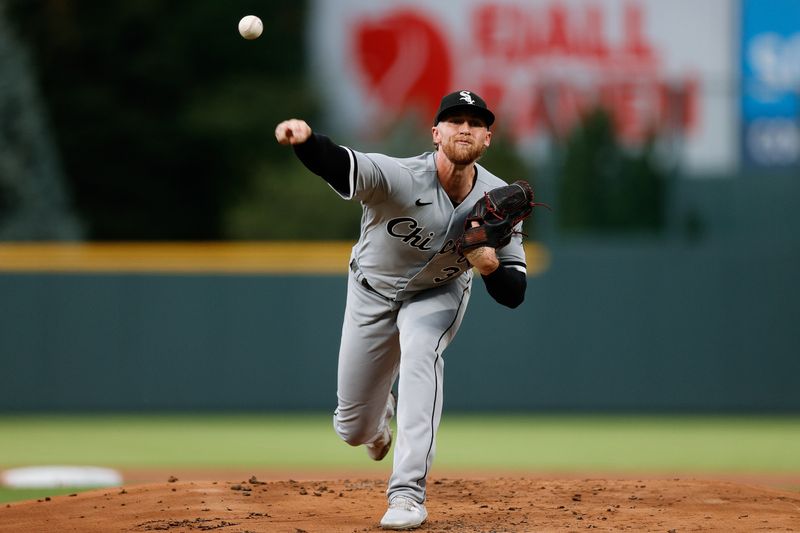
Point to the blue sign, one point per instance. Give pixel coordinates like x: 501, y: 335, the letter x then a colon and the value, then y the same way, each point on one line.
x: 770, y: 56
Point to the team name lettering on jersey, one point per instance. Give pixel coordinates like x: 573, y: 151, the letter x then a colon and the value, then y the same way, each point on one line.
x: 410, y: 232
x: 450, y: 247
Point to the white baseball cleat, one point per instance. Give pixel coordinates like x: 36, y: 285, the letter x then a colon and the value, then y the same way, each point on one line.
x: 378, y: 448
x: 404, y: 513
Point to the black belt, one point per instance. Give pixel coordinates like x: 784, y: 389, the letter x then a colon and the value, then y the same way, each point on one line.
x: 364, y: 282
x: 367, y: 286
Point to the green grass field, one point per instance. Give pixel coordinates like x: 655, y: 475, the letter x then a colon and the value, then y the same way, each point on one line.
x: 474, y: 443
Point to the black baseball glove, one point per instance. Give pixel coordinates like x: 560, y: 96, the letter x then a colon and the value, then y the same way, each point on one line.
x: 496, y: 215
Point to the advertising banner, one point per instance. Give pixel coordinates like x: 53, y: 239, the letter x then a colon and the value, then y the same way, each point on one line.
x: 663, y: 67
x: 770, y: 55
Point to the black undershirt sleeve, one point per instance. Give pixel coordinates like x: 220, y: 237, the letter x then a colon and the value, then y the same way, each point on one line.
x: 507, y: 286
x: 328, y: 160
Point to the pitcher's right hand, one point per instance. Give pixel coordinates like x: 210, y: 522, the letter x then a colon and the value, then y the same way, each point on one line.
x: 292, y: 131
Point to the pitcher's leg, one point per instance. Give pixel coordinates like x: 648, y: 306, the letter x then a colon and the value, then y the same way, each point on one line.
x: 418, y: 415
x: 427, y: 326
x: 368, y: 358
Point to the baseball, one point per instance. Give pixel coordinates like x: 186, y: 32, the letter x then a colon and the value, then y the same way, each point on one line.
x: 250, y: 27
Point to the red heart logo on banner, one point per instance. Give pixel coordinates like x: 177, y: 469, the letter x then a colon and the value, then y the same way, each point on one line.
x: 404, y: 61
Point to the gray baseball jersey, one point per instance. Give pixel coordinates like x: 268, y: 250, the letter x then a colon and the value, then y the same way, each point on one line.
x: 407, y: 294
x: 409, y: 225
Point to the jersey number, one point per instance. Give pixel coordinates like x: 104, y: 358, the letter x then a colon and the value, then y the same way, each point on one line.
x: 448, y: 272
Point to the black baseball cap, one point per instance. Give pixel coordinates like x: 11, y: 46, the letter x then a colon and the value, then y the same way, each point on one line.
x: 464, y: 101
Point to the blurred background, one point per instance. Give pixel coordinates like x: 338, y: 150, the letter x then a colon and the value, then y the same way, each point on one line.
x: 665, y: 135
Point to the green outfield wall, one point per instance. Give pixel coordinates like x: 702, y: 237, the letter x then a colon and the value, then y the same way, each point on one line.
x: 644, y: 327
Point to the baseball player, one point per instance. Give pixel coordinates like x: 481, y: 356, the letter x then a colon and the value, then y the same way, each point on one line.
x: 408, y: 285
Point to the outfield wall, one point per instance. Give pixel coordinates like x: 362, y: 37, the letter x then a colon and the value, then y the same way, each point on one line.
x: 605, y: 327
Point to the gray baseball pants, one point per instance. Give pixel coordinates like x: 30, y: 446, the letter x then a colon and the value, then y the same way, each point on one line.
x: 383, y: 340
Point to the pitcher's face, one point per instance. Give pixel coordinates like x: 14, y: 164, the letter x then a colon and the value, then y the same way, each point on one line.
x: 463, y: 137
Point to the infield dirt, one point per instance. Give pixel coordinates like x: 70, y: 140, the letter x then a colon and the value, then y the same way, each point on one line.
x: 455, y: 505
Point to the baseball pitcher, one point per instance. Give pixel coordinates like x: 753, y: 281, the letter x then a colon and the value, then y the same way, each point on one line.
x: 427, y: 222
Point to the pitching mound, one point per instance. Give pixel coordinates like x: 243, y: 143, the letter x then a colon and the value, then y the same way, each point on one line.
x: 455, y: 505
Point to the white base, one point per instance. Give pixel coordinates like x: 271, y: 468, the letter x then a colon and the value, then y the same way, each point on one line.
x: 60, y: 476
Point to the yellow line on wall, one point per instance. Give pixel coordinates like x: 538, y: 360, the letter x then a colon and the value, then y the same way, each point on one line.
x: 274, y: 257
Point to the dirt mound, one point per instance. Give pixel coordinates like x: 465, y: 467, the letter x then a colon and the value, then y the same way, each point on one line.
x: 454, y: 506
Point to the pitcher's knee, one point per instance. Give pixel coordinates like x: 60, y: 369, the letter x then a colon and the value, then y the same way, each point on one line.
x: 354, y: 430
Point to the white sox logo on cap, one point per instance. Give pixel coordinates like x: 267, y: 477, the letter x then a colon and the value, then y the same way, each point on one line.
x: 460, y: 101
